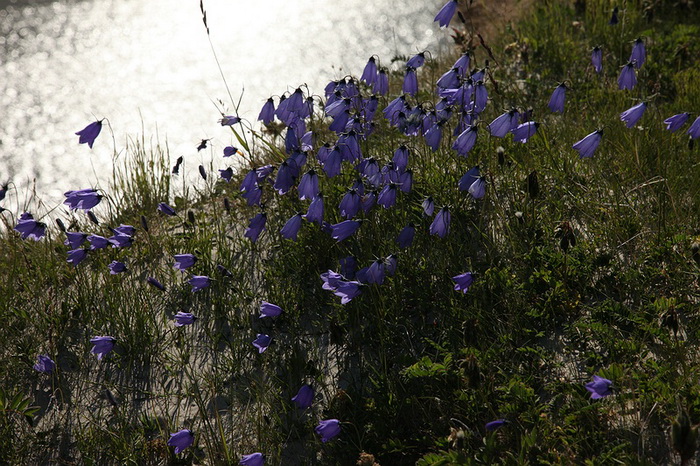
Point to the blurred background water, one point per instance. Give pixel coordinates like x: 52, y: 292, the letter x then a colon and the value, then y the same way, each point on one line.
x: 147, y: 66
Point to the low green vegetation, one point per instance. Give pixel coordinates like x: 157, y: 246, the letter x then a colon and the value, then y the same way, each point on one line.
x: 581, y: 267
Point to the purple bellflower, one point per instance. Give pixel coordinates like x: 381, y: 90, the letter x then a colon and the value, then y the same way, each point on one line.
x: 90, y: 133
x: 199, y: 282
x: 30, y: 228
x: 441, y: 223
x: 75, y: 239
x: 465, y: 141
x: 98, y: 242
x: 230, y: 150
x: 102, y: 345
x: 416, y: 61
x: 556, y: 102
x: 381, y: 86
x: 184, y: 261
x: 84, y: 199
x: 428, y: 206
x: 368, y: 201
x: 315, y: 211
x: 525, y: 131
x: 480, y: 97
x: 369, y: 74
x: 253, y: 196
x: 478, y: 188
x: 256, y: 226
x: 116, y: 267
x: 375, y: 272
x: 675, y: 122
x: 262, y: 342
x: 347, y: 290
x: 331, y: 427
x: 267, y: 114
x: 226, y: 174
x: 181, y: 440
x: 229, y: 120
x: 587, y: 146
x: 122, y: 229
x: 290, y: 230
x: 613, y: 18
x: 469, y: 178
x: 632, y: 115
x: 694, y: 130
x: 463, y: 282
x: 639, y: 53
x: 343, y: 230
x: 184, y: 318
x: 410, y: 81
x: 350, y: 204
x: 505, y: 123
x: 269, y: 310
x: 44, y: 364
x: 166, y: 209
x: 387, y: 197
x: 308, y: 186
x: 446, y: 13
x: 405, y: 238
x: 254, y: 459
x: 401, y: 157
x: 628, y: 77
x: 597, y: 59
x: 493, y: 425
x: 304, y: 397
x: 76, y: 256
x: 599, y: 388
x: 120, y: 240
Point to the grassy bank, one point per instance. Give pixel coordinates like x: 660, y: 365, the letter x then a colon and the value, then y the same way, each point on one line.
x: 581, y: 267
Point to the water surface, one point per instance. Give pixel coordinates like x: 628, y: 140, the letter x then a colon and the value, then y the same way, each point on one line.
x: 147, y: 66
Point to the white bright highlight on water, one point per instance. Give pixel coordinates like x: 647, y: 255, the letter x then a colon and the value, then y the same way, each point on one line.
x: 65, y: 64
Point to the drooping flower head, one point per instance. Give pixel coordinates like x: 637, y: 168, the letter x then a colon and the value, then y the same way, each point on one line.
x: 199, y: 282
x: 525, y: 131
x: 344, y: 230
x: 599, y: 388
x: 478, y: 188
x: 102, y: 345
x: 304, y: 397
x: 44, y: 364
x: 76, y: 256
x: 184, y: 318
x: 262, y: 342
x: 493, y: 425
x: 674, y: 123
x: 184, y: 261
x: 441, y: 223
x: 405, y: 238
x: 587, y: 146
x: 254, y: 459
x: 315, y: 211
x: 694, y: 130
x: 410, y: 81
x: 639, y: 53
x: 116, y: 267
x: 90, y: 133
x: 632, y: 115
x: 181, y: 440
x: 369, y: 74
x: 256, y: 226
x: 330, y: 427
x: 30, y: 228
x: 505, y: 123
x: 628, y: 77
x: 556, y: 102
x: 269, y: 310
x: 597, y: 59
x: 267, y: 114
x: 463, y: 282
x: 84, y: 199
x: 465, y: 141
x: 229, y: 120
x: 290, y: 230
x: 446, y: 13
